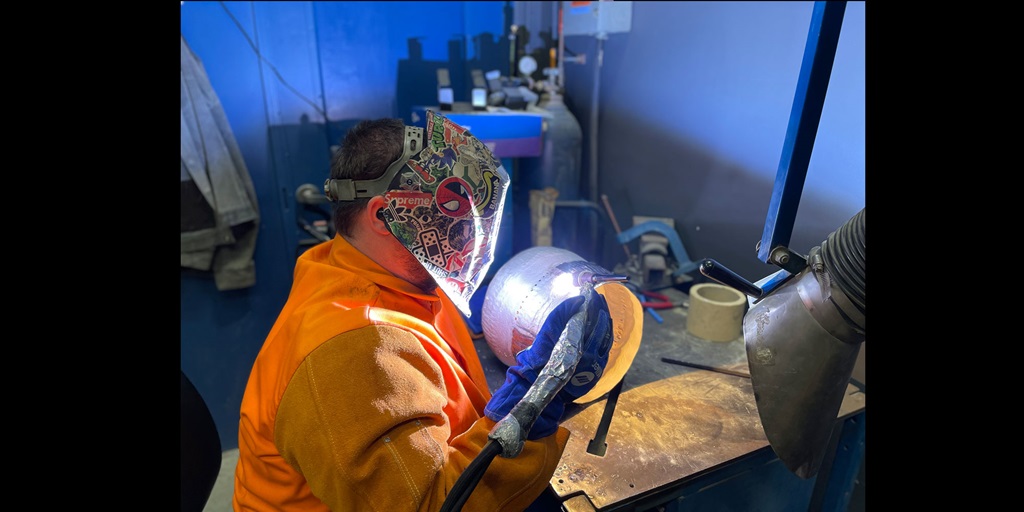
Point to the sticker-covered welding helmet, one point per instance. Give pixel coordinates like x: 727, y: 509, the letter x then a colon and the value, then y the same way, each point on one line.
x: 444, y: 197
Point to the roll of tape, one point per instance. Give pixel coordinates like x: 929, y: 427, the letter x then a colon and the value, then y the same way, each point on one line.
x: 716, y: 312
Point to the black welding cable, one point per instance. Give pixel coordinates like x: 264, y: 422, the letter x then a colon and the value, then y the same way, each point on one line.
x: 470, y: 477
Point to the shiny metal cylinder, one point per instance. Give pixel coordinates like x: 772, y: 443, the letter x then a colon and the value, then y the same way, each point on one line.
x: 524, y: 291
x: 527, y: 288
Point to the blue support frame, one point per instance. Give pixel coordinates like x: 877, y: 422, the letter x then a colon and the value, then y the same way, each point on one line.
x: 815, y: 71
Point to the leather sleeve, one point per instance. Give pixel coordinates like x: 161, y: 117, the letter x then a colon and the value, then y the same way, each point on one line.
x: 363, y: 419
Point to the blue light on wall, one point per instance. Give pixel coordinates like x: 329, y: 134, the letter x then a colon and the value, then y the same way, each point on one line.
x: 292, y: 77
x: 694, y: 105
x: 694, y: 100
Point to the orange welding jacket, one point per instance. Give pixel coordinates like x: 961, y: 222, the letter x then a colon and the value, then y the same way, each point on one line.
x: 368, y: 395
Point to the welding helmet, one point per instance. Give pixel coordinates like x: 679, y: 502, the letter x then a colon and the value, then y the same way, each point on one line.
x: 444, y: 197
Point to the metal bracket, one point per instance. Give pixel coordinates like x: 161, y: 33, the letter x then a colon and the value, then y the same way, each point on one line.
x: 682, y: 258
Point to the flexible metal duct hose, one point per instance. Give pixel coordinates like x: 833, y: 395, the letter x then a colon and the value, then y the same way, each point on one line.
x: 843, y: 253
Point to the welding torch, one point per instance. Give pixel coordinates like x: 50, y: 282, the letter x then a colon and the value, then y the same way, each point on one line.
x: 508, y: 435
x: 511, y: 431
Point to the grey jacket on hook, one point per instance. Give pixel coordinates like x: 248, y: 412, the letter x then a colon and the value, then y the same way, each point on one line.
x: 219, y: 211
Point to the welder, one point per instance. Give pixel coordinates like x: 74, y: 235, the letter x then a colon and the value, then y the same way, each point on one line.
x: 368, y: 393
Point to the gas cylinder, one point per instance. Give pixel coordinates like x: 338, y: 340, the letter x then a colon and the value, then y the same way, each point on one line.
x: 559, y: 166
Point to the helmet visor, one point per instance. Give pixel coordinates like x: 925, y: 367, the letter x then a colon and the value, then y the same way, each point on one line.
x: 444, y: 205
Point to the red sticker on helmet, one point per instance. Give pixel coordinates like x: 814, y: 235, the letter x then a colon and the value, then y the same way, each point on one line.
x: 424, y: 175
x: 454, y: 197
x: 408, y: 199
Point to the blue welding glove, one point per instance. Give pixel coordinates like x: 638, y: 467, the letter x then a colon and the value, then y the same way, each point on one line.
x: 597, y: 333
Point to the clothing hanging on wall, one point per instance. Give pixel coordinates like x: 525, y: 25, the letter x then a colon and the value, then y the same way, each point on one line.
x: 219, y: 211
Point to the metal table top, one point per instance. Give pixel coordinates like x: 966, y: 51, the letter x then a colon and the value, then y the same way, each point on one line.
x: 670, y: 423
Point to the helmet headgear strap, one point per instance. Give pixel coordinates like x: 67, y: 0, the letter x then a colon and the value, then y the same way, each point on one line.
x: 349, y: 190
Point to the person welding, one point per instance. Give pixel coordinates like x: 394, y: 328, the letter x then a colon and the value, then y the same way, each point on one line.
x: 368, y: 393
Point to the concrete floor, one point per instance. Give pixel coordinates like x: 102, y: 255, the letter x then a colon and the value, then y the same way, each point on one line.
x: 220, y: 497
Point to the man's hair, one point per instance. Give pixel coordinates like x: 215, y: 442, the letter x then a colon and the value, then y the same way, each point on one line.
x: 365, y: 153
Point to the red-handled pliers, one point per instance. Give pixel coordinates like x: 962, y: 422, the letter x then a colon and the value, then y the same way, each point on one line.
x: 661, y: 301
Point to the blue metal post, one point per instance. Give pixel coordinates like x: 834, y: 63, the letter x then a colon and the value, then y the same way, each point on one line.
x: 815, y: 71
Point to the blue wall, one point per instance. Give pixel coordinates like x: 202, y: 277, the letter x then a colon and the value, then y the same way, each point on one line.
x: 694, y: 106
x: 320, y: 68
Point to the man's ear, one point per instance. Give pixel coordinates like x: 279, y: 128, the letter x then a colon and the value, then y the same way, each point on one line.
x: 374, y: 215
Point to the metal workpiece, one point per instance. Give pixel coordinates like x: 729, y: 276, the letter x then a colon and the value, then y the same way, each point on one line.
x: 528, y: 287
x: 524, y: 291
x: 565, y: 356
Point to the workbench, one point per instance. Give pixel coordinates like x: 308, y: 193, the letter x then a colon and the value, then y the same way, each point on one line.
x: 688, y: 439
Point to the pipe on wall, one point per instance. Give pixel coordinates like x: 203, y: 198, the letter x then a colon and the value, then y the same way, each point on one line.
x: 592, y: 164
x: 594, y: 108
